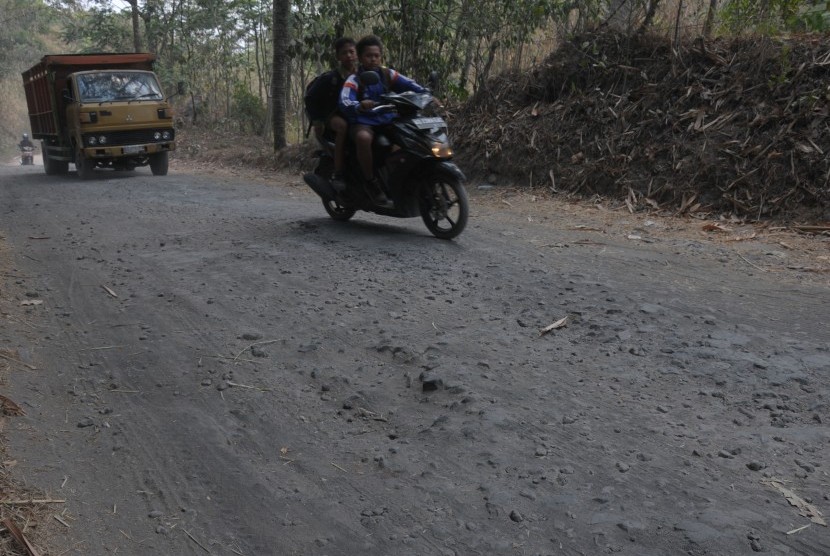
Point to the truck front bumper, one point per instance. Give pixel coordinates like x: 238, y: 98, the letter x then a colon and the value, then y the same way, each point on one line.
x: 121, y: 151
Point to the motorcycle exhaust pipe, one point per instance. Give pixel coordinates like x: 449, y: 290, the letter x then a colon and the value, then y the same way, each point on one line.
x: 320, y: 185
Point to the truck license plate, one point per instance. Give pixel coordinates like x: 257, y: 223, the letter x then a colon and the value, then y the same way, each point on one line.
x: 132, y: 149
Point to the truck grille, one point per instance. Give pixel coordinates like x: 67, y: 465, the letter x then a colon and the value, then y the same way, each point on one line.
x: 135, y: 137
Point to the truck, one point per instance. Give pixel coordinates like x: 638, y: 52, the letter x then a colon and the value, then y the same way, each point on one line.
x: 100, y: 111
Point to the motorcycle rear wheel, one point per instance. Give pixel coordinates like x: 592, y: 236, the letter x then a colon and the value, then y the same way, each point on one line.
x: 444, y: 205
x: 337, y: 211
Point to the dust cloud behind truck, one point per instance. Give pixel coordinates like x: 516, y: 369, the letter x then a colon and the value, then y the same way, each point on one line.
x: 99, y: 110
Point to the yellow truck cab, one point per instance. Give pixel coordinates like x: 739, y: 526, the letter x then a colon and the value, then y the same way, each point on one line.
x: 99, y: 110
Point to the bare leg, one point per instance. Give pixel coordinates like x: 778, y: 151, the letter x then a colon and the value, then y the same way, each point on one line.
x: 363, y: 141
x: 318, y: 128
x: 340, y: 127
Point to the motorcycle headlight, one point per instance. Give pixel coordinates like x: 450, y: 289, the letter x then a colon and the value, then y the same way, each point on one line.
x: 157, y: 135
x: 92, y: 140
x: 166, y: 135
x: 442, y: 150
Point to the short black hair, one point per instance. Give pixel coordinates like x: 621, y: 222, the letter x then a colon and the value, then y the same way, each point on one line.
x: 369, y: 40
x: 341, y: 42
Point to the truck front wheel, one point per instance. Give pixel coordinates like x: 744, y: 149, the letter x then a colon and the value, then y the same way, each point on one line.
x: 51, y: 166
x: 159, y: 163
x: 83, y: 165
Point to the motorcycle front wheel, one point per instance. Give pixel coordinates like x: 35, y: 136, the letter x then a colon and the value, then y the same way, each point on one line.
x: 337, y: 211
x: 444, y: 205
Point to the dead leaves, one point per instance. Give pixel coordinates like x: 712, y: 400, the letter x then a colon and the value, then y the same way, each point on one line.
x: 702, y: 138
x: 9, y: 407
x: 20, y: 538
x: 804, y: 508
x: 716, y: 228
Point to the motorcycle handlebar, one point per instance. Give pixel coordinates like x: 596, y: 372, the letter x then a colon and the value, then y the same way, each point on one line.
x: 383, y: 108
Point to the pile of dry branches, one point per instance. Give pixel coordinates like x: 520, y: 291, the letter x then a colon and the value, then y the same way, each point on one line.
x: 735, y: 127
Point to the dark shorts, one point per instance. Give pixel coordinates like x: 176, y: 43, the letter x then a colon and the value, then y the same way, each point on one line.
x: 324, y: 121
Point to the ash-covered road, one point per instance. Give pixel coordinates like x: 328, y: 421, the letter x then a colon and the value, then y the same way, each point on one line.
x: 222, y: 369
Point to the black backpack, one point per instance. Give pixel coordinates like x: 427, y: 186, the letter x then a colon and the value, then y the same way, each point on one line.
x: 321, y: 95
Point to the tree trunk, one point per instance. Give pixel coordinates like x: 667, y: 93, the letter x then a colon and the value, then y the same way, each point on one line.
x: 710, y: 18
x: 468, y: 63
x: 136, y: 25
x: 652, y: 10
x: 279, y: 76
x: 461, y: 34
x: 151, y: 26
x: 677, y: 22
x: 485, y: 73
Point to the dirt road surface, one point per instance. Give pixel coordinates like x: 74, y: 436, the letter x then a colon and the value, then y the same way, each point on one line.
x: 213, y: 366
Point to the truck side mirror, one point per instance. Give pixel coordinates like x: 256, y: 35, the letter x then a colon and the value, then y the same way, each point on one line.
x: 67, y: 96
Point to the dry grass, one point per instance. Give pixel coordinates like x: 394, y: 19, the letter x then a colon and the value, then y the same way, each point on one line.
x: 34, y: 520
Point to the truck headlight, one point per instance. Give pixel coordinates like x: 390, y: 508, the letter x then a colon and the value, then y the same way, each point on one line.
x: 92, y: 140
x: 102, y: 140
x: 166, y: 135
x: 157, y: 135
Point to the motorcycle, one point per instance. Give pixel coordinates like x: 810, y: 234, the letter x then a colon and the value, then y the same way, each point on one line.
x: 411, y: 159
x: 27, y: 156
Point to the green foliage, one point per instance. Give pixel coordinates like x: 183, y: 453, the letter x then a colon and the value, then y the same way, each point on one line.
x: 456, y: 91
x: 814, y: 16
x: 21, y: 24
x: 772, y: 16
x: 99, y: 29
x: 248, y: 110
x: 223, y: 49
x: 785, y: 68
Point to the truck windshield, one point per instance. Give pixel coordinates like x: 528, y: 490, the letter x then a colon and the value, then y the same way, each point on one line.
x: 118, y: 85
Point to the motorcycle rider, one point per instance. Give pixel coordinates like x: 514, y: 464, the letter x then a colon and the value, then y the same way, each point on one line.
x: 321, y: 104
x: 357, y: 100
x: 25, y: 142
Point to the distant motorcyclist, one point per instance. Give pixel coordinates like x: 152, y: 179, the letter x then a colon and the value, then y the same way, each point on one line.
x: 25, y: 142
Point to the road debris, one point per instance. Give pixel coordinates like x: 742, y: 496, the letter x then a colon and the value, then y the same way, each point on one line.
x: 20, y: 538
x: 9, y: 407
x: 109, y: 291
x: 561, y: 323
x: 804, y: 508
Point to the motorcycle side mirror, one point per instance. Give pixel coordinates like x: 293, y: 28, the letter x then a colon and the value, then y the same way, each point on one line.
x: 369, y: 78
x: 432, y: 80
